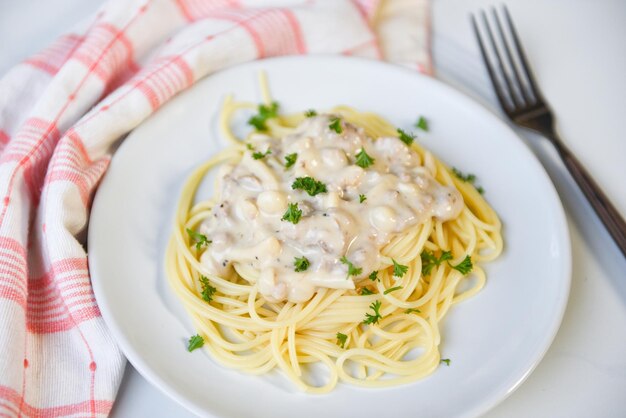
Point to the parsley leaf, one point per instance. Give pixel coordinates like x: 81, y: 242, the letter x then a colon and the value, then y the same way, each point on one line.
x: 365, y: 291
x: 363, y: 160
x: 374, y: 276
x: 373, y: 319
x: 265, y: 113
x: 258, y: 155
x: 352, y: 269
x: 407, y: 138
x: 341, y: 340
x: 464, y: 266
x: 309, y: 185
x: 408, y: 311
x: 290, y: 159
x: 249, y: 146
x: 422, y: 123
x: 429, y: 260
x: 207, y: 290
x: 398, y: 269
x: 301, y: 264
x: 292, y: 214
x: 199, y: 238
x: 335, y: 125
x: 310, y: 113
x: 196, y: 341
x: 446, y: 360
x: 392, y: 289
x: 469, y: 178
x: 362, y: 198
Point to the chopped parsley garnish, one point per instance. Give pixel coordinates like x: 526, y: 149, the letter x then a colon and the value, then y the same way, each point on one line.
x: 207, y: 290
x: 265, y: 113
x: 363, y: 160
x: 352, y: 269
x: 341, y: 340
x: 335, y: 125
x: 410, y: 310
x: 258, y: 155
x: 309, y: 185
x: 373, y: 319
x: 310, y: 113
x: 301, y: 264
x: 199, y: 238
x: 374, y: 276
x: 290, y: 159
x: 365, y: 291
x: 398, y: 269
x: 429, y: 260
x: 464, y: 266
x: 392, y: 289
x: 407, y: 138
x: 292, y: 214
x: 249, y: 146
x: 196, y: 341
x: 446, y: 360
x: 362, y: 198
x: 422, y: 123
x: 467, y: 178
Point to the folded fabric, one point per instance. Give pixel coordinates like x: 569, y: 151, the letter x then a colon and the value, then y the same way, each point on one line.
x: 61, y: 113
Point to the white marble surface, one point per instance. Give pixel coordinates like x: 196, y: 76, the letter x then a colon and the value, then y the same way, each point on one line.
x: 576, y: 48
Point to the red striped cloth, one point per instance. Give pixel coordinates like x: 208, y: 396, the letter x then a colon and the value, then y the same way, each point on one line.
x: 63, y: 109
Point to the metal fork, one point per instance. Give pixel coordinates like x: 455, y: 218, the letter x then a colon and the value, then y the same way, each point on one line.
x: 523, y: 103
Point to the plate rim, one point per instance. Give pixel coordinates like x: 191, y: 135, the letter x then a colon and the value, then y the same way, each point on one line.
x: 488, y: 403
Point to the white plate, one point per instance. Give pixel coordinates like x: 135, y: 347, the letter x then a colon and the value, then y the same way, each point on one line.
x: 494, y: 339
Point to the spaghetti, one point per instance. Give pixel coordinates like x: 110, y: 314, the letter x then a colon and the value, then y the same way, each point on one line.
x: 378, y: 330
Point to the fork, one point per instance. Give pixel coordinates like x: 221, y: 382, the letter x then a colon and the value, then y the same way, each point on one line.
x: 524, y: 104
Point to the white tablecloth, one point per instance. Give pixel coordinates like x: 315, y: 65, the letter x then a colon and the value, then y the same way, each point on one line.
x: 576, y: 49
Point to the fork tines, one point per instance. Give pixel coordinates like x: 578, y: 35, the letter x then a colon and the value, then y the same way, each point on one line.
x: 505, y: 61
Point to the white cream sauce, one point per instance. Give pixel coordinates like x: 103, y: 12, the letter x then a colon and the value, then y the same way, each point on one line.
x: 246, y: 227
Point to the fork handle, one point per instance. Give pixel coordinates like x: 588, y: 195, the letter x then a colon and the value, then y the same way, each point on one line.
x: 605, y: 210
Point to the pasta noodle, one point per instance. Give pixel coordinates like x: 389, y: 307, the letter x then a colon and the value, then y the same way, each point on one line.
x: 243, y: 330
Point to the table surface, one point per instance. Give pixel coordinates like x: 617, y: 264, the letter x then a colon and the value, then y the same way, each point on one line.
x: 576, y: 49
